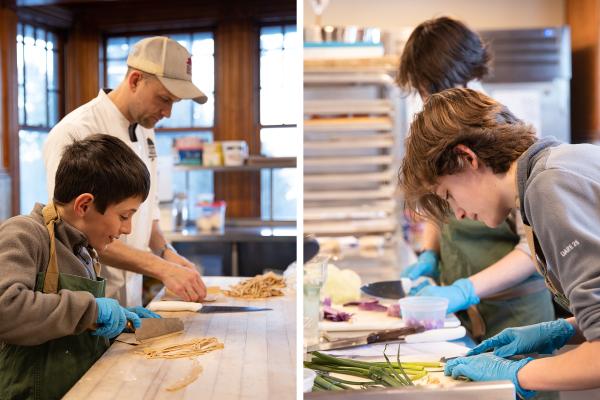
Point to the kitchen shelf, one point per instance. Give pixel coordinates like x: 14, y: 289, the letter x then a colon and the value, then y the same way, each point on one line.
x: 286, y: 162
x: 351, y: 148
x: 334, y: 107
x: 357, y: 142
x: 350, y: 124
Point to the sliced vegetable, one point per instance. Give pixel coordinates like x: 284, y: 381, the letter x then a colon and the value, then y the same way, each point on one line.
x: 367, y: 305
x: 332, y: 314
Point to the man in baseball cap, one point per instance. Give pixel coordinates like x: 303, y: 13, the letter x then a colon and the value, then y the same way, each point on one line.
x: 170, y: 62
x: 159, y: 75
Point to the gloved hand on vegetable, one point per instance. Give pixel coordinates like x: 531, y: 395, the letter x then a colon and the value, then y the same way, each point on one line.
x: 542, y: 338
x: 488, y: 367
x: 461, y: 294
x: 426, y: 265
x: 112, y: 318
x: 143, y: 312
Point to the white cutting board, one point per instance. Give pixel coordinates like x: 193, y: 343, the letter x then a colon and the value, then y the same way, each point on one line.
x: 372, y: 321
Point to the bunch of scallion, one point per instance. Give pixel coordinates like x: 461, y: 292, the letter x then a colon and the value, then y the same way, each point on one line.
x: 329, y: 370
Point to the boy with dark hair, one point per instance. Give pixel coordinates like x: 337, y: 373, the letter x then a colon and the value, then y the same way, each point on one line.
x: 487, y: 272
x: 54, y: 319
x: 469, y: 154
x: 442, y: 53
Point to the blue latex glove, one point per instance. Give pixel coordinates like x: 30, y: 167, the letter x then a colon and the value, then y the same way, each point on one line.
x: 143, y: 312
x: 488, y: 367
x: 427, y: 265
x: 112, y: 318
x: 460, y: 295
x: 542, y: 338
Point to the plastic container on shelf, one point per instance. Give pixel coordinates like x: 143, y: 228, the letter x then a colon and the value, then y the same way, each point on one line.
x: 211, y: 216
x: 212, y: 155
x: 235, y: 152
x: 427, y: 311
x: 180, y: 211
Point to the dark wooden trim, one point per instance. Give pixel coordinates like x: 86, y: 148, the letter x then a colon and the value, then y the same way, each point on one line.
x: 9, y: 122
x: 236, y: 111
x: 583, y: 16
x: 81, y: 65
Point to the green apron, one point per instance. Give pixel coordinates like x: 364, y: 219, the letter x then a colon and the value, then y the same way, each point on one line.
x: 467, y: 247
x: 49, y: 370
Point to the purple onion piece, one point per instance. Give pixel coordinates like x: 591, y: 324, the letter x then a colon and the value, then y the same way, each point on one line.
x: 327, y: 301
x: 394, y: 310
x: 367, y: 305
x: 332, y: 314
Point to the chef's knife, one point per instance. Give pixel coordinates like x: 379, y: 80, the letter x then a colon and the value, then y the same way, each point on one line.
x: 155, y: 327
x: 200, y: 308
x: 374, y: 337
x: 151, y: 328
x: 229, y: 309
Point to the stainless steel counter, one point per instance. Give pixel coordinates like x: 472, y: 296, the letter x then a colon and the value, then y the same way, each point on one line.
x: 234, y: 234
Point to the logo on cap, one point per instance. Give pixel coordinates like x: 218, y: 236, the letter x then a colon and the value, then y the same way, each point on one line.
x: 188, y: 65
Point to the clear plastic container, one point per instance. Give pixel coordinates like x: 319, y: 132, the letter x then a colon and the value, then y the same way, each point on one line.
x: 211, y: 216
x: 429, y: 312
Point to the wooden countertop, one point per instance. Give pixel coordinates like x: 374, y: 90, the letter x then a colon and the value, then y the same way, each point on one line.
x: 258, y: 361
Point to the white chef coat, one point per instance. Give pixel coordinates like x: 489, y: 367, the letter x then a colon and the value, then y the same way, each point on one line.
x: 101, y: 115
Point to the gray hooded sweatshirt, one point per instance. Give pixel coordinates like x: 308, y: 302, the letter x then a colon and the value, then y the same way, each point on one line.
x: 559, y: 193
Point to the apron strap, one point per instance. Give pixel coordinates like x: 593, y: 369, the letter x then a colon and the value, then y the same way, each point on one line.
x: 559, y: 296
x: 95, y: 260
x: 478, y: 326
x: 51, y: 216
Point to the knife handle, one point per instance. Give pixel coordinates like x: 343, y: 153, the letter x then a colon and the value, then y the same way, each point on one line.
x: 393, y: 334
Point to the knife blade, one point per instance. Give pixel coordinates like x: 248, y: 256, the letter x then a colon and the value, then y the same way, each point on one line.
x: 174, y: 306
x: 374, y: 337
x: 153, y: 328
x: 229, y: 309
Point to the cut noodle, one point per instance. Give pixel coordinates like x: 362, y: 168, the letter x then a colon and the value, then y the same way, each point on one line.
x: 194, y: 373
x: 191, y: 348
x: 261, y: 286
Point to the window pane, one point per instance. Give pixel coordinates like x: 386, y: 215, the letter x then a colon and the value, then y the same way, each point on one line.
x: 279, y: 105
x: 117, y: 48
x: 279, y: 142
x: 53, y: 107
x: 115, y: 72
x: 204, y: 113
x: 203, y: 73
x: 279, y: 81
x: 35, y: 79
x: 33, y: 173
x: 265, y: 194
x: 181, y: 116
x: 52, y: 72
x: 203, y: 44
x: 271, y: 38
x: 19, y: 60
x: 21, y: 105
x: 281, y: 205
x: 38, y: 105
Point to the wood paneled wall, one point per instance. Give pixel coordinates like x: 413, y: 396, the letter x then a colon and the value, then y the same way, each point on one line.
x: 9, y: 124
x: 81, y: 65
x: 237, y: 85
x: 584, y: 18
